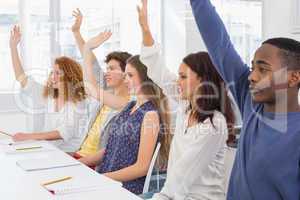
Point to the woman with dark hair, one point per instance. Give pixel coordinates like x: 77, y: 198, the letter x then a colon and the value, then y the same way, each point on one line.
x: 196, y: 167
x: 135, y: 131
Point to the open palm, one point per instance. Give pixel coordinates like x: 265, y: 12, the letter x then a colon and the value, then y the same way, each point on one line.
x: 98, y: 40
x: 78, y: 20
x: 15, y: 36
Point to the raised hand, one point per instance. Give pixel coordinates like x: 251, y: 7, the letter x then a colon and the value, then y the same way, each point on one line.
x: 143, y: 14
x: 78, y: 20
x: 98, y: 40
x: 15, y: 36
x: 143, y: 20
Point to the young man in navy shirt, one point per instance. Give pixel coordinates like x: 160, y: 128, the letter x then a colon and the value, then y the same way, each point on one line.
x: 268, y: 156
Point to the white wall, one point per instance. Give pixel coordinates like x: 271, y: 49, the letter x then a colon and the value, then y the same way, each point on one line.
x: 174, y: 35
x: 277, y: 22
x: 12, y: 119
x: 277, y: 17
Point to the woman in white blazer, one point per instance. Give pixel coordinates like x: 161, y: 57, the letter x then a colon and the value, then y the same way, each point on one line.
x: 196, y: 161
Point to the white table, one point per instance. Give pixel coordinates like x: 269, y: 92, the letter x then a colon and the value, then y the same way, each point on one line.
x: 17, y: 184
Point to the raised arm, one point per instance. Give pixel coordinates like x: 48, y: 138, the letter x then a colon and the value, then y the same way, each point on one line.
x: 105, y: 97
x: 81, y: 42
x: 76, y: 31
x: 15, y: 38
x: 151, y: 57
x: 224, y: 56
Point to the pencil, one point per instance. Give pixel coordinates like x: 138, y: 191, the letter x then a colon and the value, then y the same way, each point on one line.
x: 28, y: 148
x: 7, y: 134
x: 56, y: 181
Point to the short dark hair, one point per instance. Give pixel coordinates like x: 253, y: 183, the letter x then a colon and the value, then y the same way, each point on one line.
x: 120, y: 56
x: 289, y: 51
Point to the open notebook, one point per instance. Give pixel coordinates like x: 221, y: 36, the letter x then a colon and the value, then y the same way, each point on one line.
x: 78, y: 185
x: 46, y: 163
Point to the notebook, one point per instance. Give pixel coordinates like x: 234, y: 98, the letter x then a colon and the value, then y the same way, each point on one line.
x: 78, y: 185
x: 46, y: 163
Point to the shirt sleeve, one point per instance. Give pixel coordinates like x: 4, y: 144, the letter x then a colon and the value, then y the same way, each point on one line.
x: 33, y: 93
x: 158, y: 72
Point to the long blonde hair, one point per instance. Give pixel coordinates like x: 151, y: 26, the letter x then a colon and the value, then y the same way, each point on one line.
x: 72, y: 77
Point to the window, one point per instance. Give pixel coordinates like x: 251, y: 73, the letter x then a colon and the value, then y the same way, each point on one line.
x: 46, y: 31
x: 243, y: 20
x: 40, y: 27
x: 118, y: 16
x: 98, y: 16
x: 8, y: 17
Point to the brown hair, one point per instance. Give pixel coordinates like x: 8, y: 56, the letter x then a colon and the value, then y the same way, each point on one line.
x: 72, y: 76
x: 201, y: 64
x: 119, y: 56
x: 159, y: 100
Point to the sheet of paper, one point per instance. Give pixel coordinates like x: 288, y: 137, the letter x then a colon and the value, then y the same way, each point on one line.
x: 78, y: 185
x: 46, y: 163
